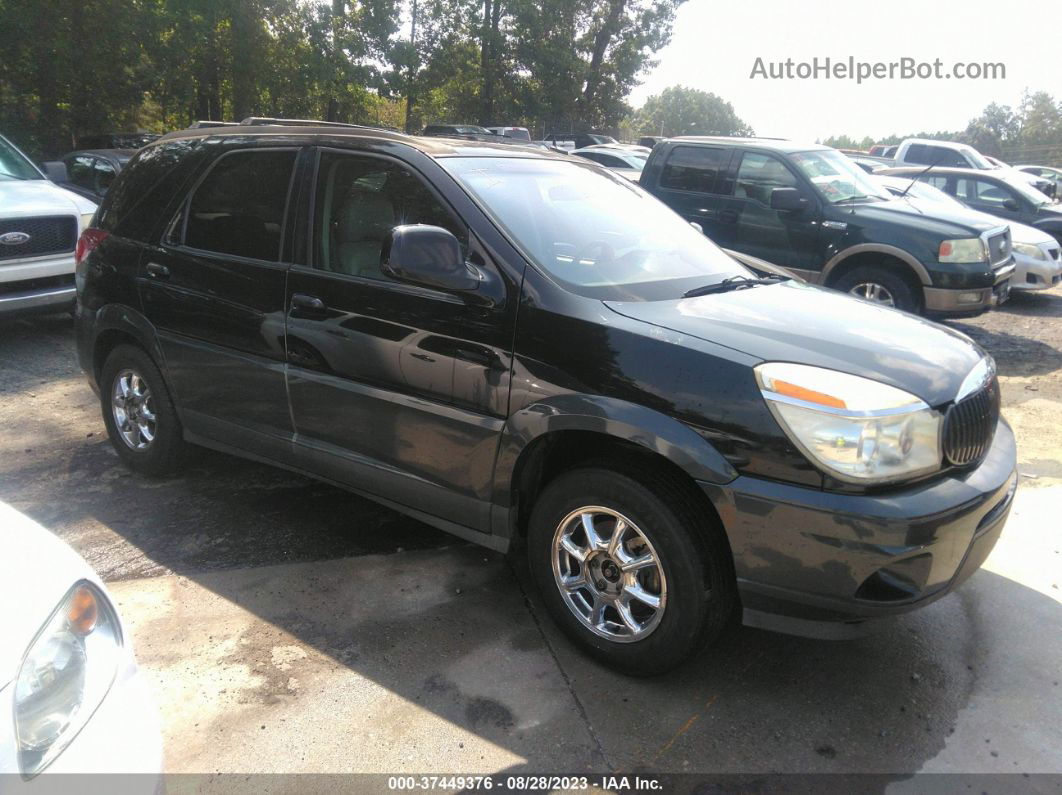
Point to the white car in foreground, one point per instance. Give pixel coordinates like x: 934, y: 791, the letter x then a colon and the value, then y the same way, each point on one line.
x: 1037, y: 255
x: 71, y: 700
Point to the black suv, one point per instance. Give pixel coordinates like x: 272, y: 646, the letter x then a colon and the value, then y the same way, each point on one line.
x: 524, y: 350
x: 813, y: 211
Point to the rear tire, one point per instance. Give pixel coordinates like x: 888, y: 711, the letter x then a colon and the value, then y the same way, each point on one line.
x: 138, y: 411
x: 879, y: 285
x: 693, y: 582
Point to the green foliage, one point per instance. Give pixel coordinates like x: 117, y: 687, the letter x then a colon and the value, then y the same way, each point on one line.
x: 687, y: 111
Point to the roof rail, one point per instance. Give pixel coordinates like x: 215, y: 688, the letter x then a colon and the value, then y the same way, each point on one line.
x: 262, y: 121
x: 205, y: 123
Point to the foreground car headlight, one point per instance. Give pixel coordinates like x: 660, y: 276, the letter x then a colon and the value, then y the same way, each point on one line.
x: 967, y: 249
x: 65, y: 674
x: 859, y: 430
x: 1029, y: 250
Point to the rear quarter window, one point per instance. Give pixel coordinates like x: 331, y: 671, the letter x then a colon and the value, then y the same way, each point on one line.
x: 138, y: 198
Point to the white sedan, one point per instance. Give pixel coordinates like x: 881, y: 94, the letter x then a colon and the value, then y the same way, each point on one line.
x: 625, y: 160
x: 71, y: 699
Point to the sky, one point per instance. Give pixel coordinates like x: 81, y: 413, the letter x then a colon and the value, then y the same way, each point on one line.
x: 716, y: 43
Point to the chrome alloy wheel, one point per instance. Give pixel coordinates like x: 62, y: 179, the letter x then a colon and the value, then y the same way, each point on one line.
x: 133, y: 409
x: 609, y: 574
x: 873, y: 292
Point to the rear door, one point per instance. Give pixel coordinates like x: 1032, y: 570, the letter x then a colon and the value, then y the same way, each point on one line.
x: 692, y: 181
x: 214, y: 289
x: 397, y: 390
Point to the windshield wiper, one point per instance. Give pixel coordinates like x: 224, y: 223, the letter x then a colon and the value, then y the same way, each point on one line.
x: 733, y: 283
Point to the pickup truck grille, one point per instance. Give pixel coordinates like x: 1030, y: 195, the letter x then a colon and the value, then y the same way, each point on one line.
x: 999, y: 248
x: 48, y: 235
x: 970, y: 425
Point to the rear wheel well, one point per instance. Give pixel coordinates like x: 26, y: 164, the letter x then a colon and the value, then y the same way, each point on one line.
x: 887, y: 262
x: 561, y: 451
x: 106, y: 342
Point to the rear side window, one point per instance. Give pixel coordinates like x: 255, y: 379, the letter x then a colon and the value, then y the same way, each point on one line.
x: 693, y: 168
x: 148, y: 185
x: 238, y: 209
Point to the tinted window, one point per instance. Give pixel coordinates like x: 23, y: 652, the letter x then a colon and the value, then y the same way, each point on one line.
x: 935, y: 155
x: 613, y: 162
x: 693, y: 168
x: 146, y: 187
x: 982, y: 192
x: 103, y: 175
x: 759, y: 175
x: 360, y: 200
x: 79, y: 170
x: 239, y: 208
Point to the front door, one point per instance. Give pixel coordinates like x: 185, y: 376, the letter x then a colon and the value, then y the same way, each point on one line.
x: 214, y: 290
x: 398, y: 390
x: 994, y: 198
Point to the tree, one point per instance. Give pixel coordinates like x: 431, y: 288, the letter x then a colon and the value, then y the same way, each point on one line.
x: 688, y: 111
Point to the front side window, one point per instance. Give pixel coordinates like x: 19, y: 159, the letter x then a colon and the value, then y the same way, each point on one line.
x: 359, y: 201
x: 103, y: 174
x: 79, y: 171
x: 596, y: 233
x: 693, y: 168
x: 760, y: 174
x: 239, y: 208
x: 983, y: 192
x: 837, y: 179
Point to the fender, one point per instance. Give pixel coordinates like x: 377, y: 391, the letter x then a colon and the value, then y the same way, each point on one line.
x: 878, y: 248
x: 619, y: 419
x: 116, y: 317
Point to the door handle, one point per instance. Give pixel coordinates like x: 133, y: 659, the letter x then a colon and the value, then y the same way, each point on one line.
x: 308, y: 302
x: 728, y: 216
x: 157, y: 271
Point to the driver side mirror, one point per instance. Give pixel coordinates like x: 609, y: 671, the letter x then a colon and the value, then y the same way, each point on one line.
x: 429, y: 256
x: 1010, y: 204
x: 787, y: 199
x: 55, y: 171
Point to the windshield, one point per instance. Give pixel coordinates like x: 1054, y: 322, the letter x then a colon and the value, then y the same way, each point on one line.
x: 14, y: 164
x: 977, y: 160
x: 836, y: 178
x: 516, y: 132
x: 599, y: 235
x: 1028, y: 191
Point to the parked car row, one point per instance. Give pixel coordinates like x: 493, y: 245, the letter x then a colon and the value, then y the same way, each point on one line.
x: 529, y: 351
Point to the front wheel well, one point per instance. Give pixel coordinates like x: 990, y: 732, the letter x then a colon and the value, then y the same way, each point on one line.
x: 887, y: 262
x: 561, y: 451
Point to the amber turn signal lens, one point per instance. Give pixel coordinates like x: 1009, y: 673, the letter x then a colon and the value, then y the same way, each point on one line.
x: 83, y: 611
x: 809, y: 395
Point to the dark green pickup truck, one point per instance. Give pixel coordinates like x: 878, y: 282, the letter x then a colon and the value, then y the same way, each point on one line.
x: 809, y: 209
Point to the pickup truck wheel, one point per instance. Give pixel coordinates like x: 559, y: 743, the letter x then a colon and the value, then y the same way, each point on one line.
x: 879, y: 286
x: 138, y: 411
x: 630, y: 569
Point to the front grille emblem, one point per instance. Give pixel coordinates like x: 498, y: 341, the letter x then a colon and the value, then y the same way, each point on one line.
x: 14, y: 238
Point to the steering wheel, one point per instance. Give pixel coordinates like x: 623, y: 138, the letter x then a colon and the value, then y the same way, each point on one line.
x: 603, y: 251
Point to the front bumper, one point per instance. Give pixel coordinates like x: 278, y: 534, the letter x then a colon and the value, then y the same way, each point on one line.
x: 1035, y: 274
x: 965, y: 301
x: 817, y: 563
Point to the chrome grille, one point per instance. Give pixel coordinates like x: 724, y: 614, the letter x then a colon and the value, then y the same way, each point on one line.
x: 999, y: 247
x: 47, y: 235
x: 970, y: 425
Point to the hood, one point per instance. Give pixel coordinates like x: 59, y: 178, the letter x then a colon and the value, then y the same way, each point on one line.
x: 1023, y: 233
x: 935, y: 218
x: 1019, y: 233
x: 795, y: 322
x: 24, y: 198
x: 36, y: 571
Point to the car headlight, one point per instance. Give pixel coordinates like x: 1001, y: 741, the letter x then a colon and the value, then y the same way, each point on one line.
x: 65, y: 674
x: 1029, y: 250
x: 858, y: 430
x: 86, y: 220
x: 966, y: 249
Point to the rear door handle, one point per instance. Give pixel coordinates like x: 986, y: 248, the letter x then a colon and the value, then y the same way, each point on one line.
x: 157, y: 271
x: 308, y: 302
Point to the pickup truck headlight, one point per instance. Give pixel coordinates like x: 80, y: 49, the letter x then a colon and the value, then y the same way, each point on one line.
x: 65, y: 674
x: 966, y: 249
x: 1029, y: 250
x: 858, y: 430
x: 86, y: 220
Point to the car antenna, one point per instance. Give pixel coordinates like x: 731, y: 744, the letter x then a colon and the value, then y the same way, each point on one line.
x: 921, y: 174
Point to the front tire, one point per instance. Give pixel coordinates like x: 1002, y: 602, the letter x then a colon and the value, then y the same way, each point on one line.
x: 138, y: 411
x: 879, y: 286
x: 631, y: 570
